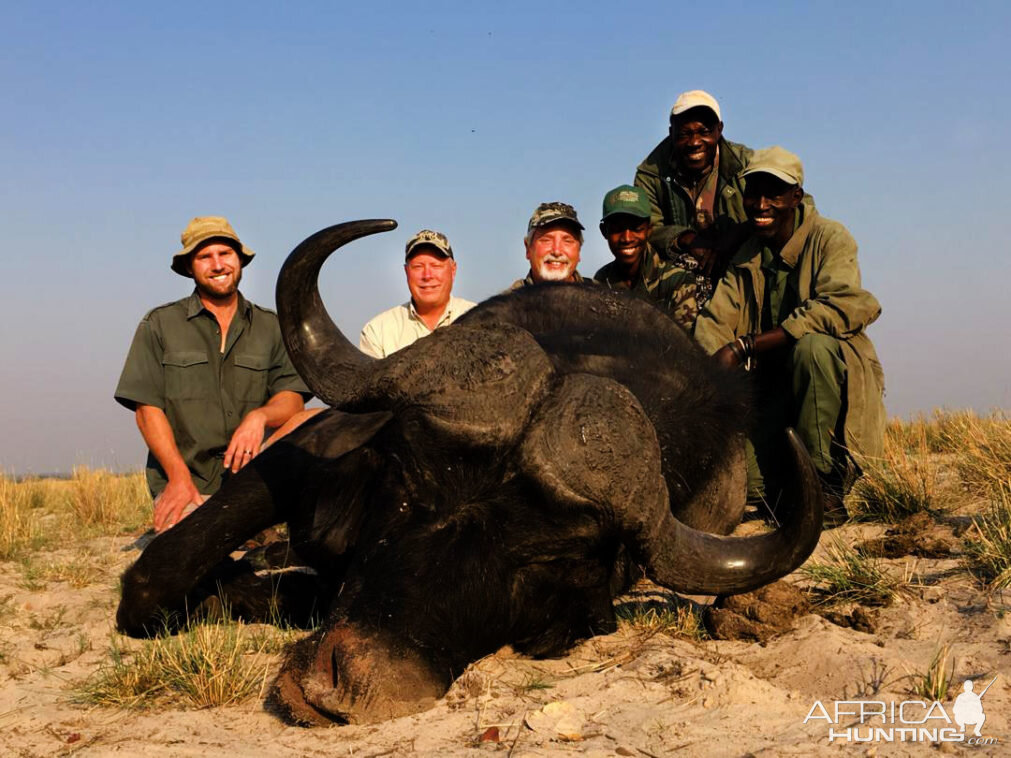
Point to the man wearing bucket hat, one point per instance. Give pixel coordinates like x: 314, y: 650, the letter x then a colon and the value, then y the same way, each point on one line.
x: 792, y: 309
x: 692, y: 179
x: 206, y: 375
x: 637, y: 266
x: 553, y: 242
x: 430, y: 267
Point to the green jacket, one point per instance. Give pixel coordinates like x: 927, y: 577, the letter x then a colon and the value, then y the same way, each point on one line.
x: 672, y: 211
x: 826, y: 275
x: 671, y: 287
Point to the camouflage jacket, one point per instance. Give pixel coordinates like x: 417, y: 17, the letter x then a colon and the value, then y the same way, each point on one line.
x: 671, y: 287
x: 826, y: 278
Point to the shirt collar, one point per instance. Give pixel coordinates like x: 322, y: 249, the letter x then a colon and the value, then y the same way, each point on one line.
x: 697, y: 186
x: 447, y: 314
x: 194, y: 306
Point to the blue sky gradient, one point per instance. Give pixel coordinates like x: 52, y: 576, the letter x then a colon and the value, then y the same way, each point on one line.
x: 124, y: 120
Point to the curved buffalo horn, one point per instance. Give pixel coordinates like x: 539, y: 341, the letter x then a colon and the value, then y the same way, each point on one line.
x: 697, y: 563
x: 324, y: 358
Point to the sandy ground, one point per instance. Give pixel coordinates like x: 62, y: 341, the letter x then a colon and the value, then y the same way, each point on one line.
x: 628, y: 694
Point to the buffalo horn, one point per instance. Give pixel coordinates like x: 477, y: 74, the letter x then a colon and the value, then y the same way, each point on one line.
x: 324, y: 358
x: 696, y: 563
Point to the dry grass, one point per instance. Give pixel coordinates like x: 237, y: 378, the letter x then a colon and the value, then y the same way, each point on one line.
x: 847, y: 576
x: 680, y: 619
x: 904, y: 481
x: 108, y: 503
x: 21, y: 512
x: 988, y: 543
x: 80, y: 570
x: 36, y: 513
x: 983, y: 453
x: 934, y: 683
x: 205, y: 665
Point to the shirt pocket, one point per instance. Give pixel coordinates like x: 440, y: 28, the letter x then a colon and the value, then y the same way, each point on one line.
x: 187, y: 375
x: 251, y: 372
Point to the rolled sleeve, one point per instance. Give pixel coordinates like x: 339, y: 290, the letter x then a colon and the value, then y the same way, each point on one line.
x: 142, y: 381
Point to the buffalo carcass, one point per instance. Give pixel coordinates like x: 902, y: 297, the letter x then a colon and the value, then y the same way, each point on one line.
x: 475, y: 490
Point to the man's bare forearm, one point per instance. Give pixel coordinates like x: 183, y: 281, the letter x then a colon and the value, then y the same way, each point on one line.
x: 157, y: 433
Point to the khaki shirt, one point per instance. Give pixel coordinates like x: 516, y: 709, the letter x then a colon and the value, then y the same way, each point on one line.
x: 401, y: 326
x: 175, y: 364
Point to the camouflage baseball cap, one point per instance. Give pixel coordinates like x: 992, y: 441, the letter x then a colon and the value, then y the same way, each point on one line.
x: 695, y: 98
x: 549, y: 213
x: 203, y: 229
x: 627, y: 200
x: 779, y: 162
x: 431, y: 239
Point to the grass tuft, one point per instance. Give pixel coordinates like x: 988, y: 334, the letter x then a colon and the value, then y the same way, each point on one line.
x: 935, y: 682
x: 984, y: 453
x: 896, y: 486
x: 205, y: 665
x: 847, y: 576
x: 682, y: 620
x: 988, y: 543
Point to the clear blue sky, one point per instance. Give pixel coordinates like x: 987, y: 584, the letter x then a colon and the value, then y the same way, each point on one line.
x: 122, y: 120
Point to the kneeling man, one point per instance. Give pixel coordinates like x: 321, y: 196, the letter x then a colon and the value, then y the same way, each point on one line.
x: 637, y: 266
x: 791, y: 308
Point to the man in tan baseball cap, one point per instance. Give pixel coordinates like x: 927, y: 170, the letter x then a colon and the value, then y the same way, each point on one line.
x: 207, y: 375
x: 791, y: 309
x: 430, y: 267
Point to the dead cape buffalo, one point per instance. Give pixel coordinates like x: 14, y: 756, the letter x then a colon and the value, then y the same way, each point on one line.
x: 475, y: 490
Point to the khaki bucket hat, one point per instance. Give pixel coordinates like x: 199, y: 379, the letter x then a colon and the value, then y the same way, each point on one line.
x: 202, y: 229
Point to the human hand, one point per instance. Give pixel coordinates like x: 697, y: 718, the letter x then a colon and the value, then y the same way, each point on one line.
x: 178, y: 498
x: 702, y: 247
x: 246, y: 440
x: 728, y: 357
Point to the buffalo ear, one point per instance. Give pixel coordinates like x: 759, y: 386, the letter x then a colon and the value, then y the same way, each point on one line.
x: 332, y: 434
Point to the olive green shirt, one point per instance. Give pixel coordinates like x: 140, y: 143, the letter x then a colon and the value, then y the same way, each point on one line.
x: 780, y: 283
x: 671, y: 287
x: 175, y: 364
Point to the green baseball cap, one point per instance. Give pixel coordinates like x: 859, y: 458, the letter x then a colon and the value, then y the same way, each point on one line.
x: 627, y: 200
x: 779, y: 162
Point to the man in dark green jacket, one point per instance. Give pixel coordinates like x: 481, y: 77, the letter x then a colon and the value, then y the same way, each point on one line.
x: 637, y: 266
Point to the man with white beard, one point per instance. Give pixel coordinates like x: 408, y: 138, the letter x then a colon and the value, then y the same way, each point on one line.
x: 553, y: 241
